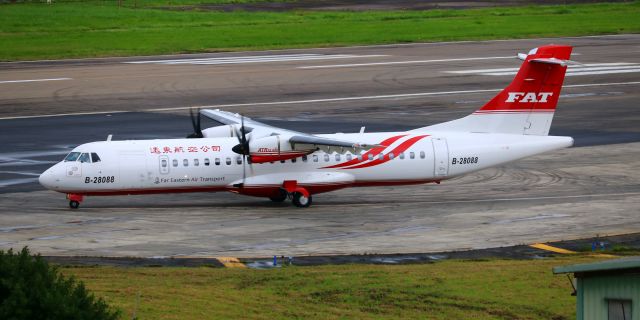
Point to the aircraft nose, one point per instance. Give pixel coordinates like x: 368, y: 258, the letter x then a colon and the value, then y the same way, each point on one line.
x: 48, y: 179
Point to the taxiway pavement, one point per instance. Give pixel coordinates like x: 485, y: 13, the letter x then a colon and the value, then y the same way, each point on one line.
x: 575, y: 193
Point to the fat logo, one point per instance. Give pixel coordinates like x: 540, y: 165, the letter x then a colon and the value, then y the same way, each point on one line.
x: 526, y: 97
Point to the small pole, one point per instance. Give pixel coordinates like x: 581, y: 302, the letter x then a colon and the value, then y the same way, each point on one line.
x: 275, y: 261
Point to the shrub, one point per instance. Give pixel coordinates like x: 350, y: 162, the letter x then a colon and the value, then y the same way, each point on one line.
x: 30, y: 288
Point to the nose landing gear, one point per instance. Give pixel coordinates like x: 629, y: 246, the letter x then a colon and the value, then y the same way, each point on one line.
x: 74, y: 200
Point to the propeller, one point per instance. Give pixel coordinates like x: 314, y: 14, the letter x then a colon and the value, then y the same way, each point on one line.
x: 242, y: 148
x: 195, y: 122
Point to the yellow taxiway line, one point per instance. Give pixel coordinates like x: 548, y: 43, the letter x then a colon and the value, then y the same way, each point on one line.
x: 231, y: 262
x: 547, y: 247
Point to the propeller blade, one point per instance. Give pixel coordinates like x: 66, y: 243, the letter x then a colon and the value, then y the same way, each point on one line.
x: 195, y: 122
x: 243, y: 146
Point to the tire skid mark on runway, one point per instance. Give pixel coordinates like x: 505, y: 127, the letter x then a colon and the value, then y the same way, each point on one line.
x: 376, y: 97
x: 581, y: 196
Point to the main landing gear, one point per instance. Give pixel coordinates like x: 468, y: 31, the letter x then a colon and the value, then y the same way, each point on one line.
x: 300, y: 200
x: 74, y: 200
x: 299, y: 196
x: 280, y: 197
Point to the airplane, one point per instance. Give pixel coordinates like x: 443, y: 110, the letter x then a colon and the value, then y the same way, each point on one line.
x: 247, y: 157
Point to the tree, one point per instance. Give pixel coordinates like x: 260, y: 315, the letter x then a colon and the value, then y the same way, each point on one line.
x: 30, y: 288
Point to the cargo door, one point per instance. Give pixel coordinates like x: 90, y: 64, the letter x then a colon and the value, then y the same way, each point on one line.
x: 441, y: 157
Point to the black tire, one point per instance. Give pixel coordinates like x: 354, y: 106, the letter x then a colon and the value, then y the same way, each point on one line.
x: 74, y: 204
x: 281, y: 197
x: 301, y: 201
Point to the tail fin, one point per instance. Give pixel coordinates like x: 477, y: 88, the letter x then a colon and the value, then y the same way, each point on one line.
x: 526, y: 106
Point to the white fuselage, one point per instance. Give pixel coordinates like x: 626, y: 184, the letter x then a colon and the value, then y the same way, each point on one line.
x: 209, y: 164
x: 514, y: 124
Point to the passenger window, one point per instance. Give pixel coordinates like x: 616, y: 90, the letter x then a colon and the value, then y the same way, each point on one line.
x: 84, y: 158
x: 326, y: 158
x: 206, y: 162
x: 73, y: 156
x: 228, y: 161
x: 337, y: 157
x: 185, y: 162
x: 239, y: 160
x: 293, y: 160
x: 349, y: 157
x: 370, y: 156
x: 304, y: 158
x: 217, y: 161
x: 164, y: 163
x: 381, y: 156
x: 401, y: 156
x: 422, y: 155
x: 360, y: 157
x: 412, y: 155
x: 175, y: 162
x: 315, y: 158
x: 196, y: 162
x: 391, y: 156
x: 94, y: 157
x: 281, y: 161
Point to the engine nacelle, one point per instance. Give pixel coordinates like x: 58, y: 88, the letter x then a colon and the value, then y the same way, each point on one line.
x: 275, y: 148
x: 226, y: 131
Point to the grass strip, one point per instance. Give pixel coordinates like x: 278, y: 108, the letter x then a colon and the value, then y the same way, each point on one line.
x: 95, y: 29
x: 455, y: 289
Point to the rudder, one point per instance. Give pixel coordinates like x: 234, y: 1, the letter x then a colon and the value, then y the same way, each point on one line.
x: 527, y: 105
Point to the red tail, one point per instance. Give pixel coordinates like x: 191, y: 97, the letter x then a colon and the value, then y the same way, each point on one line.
x: 526, y: 106
x: 537, y: 85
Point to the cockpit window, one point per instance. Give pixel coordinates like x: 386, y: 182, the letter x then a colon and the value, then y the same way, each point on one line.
x: 94, y: 157
x: 84, y: 158
x: 73, y: 156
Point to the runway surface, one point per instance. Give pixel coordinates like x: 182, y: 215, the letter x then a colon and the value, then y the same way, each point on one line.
x: 574, y: 193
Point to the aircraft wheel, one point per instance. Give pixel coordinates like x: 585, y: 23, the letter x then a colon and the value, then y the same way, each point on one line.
x: 300, y: 201
x: 282, y: 196
x: 74, y: 204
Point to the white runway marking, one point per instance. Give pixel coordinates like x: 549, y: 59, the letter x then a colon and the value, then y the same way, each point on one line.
x: 256, y: 59
x: 402, y: 62
x: 403, y: 95
x: 572, y: 70
x: 34, y: 80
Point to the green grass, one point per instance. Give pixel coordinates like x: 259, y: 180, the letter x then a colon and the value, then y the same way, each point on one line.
x: 142, y: 3
x: 99, y: 29
x: 477, y: 289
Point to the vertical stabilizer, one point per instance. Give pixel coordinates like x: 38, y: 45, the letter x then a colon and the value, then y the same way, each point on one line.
x: 526, y: 106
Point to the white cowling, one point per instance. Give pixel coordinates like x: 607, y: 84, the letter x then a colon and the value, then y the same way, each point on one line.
x: 274, y: 148
x: 226, y: 131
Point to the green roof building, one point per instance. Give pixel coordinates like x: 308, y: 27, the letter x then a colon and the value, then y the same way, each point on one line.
x: 607, y: 290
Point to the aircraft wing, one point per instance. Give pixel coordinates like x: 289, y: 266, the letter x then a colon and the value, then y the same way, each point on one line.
x: 294, y: 137
x: 229, y: 118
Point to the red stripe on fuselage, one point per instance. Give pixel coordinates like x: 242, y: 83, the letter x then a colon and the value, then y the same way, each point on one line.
x: 386, y: 143
x: 399, y: 149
